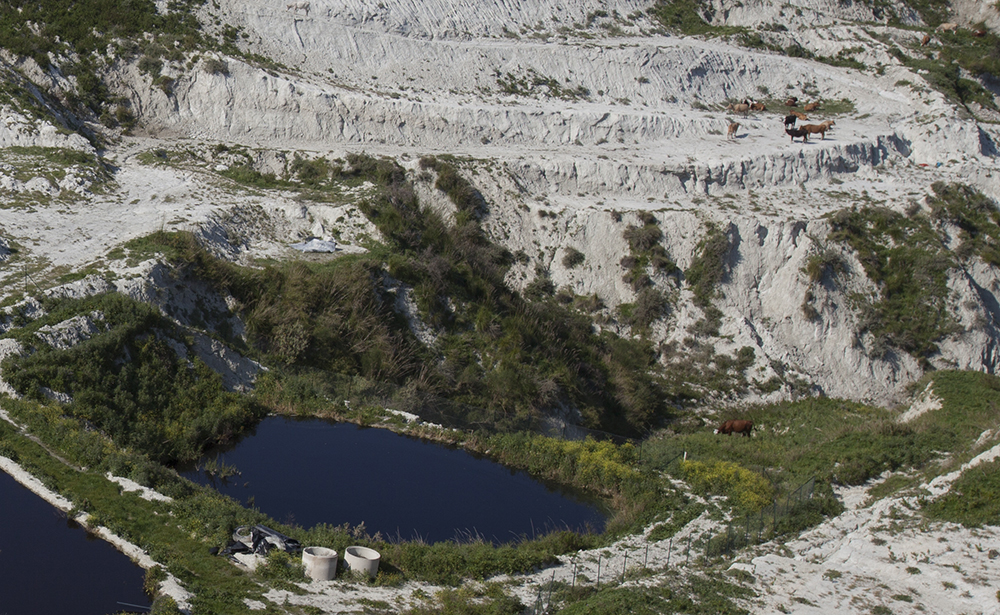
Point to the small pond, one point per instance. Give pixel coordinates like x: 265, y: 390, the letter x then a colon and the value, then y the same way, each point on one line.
x: 49, y: 564
x: 310, y: 471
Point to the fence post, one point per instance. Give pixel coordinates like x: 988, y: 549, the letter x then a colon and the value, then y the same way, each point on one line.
x: 645, y: 558
x: 670, y: 547
x: 598, y: 571
x: 624, y: 565
x: 688, y: 551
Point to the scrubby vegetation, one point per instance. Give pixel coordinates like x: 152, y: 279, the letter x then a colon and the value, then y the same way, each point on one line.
x: 502, y: 360
x: 646, y: 252
x: 908, y: 258
x: 130, y: 382
x: 706, y: 272
x: 81, y: 38
x: 690, y: 17
x: 905, y: 258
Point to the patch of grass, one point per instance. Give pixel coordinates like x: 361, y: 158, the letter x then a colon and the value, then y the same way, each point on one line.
x: 824, y: 265
x: 974, y: 214
x: 977, y: 55
x: 533, y: 84
x: 695, y: 594
x: 54, y: 164
x: 690, y: 17
x: 490, y: 600
x: 973, y: 500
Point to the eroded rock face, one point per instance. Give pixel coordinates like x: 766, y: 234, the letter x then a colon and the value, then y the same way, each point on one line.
x: 571, y: 118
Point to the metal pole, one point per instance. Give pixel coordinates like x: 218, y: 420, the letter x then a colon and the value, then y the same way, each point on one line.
x: 598, y: 571
x: 670, y: 546
x: 624, y: 564
x: 645, y: 558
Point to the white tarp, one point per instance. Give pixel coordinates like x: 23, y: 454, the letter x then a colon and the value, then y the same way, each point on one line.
x: 316, y: 245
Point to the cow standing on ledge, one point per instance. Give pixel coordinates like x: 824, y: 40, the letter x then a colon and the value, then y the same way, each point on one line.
x: 731, y: 427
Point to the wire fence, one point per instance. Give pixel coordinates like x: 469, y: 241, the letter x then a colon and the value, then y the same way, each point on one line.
x: 616, y: 568
x: 754, y: 529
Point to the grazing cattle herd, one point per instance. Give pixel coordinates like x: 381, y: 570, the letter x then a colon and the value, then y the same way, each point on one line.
x: 792, y: 102
x: 793, y: 116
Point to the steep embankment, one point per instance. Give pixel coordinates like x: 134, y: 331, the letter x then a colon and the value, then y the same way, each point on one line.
x: 571, y: 116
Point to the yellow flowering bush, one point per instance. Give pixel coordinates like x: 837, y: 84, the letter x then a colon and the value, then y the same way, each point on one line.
x: 744, y: 488
x: 598, y: 465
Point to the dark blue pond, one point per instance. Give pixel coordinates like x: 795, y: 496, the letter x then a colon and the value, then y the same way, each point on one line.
x: 49, y: 564
x: 309, y: 471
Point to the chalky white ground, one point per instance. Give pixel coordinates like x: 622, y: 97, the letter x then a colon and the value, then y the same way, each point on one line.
x: 406, y: 79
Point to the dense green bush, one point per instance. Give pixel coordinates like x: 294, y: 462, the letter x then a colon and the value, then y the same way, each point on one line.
x: 131, y: 384
x: 746, y: 489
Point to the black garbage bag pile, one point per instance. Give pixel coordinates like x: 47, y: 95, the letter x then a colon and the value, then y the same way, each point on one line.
x: 260, y: 539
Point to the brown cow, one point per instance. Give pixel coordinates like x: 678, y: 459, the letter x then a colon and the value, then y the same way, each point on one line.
x: 811, y: 107
x: 792, y: 102
x: 757, y: 107
x: 731, y: 427
x: 817, y: 128
x: 731, y: 134
x: 802, y: 116
x: 739, y: 108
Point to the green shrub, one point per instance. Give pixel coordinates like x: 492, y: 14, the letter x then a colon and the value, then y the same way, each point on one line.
x: 709, y: 267
x: 504, y: 360
x: 214, y: 66
x: 690, y: 17
x: 572, y: 257
x: 825, y: 264
x: 650, y: 305
x: 490, y: 600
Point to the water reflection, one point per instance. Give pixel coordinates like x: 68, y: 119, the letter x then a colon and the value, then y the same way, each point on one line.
x: 49, y: 564
x: 312, y: 471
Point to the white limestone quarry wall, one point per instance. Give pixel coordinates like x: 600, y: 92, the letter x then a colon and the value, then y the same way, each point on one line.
x: 638, y: 92
x: 572, y: 175
x: 762, y: 295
